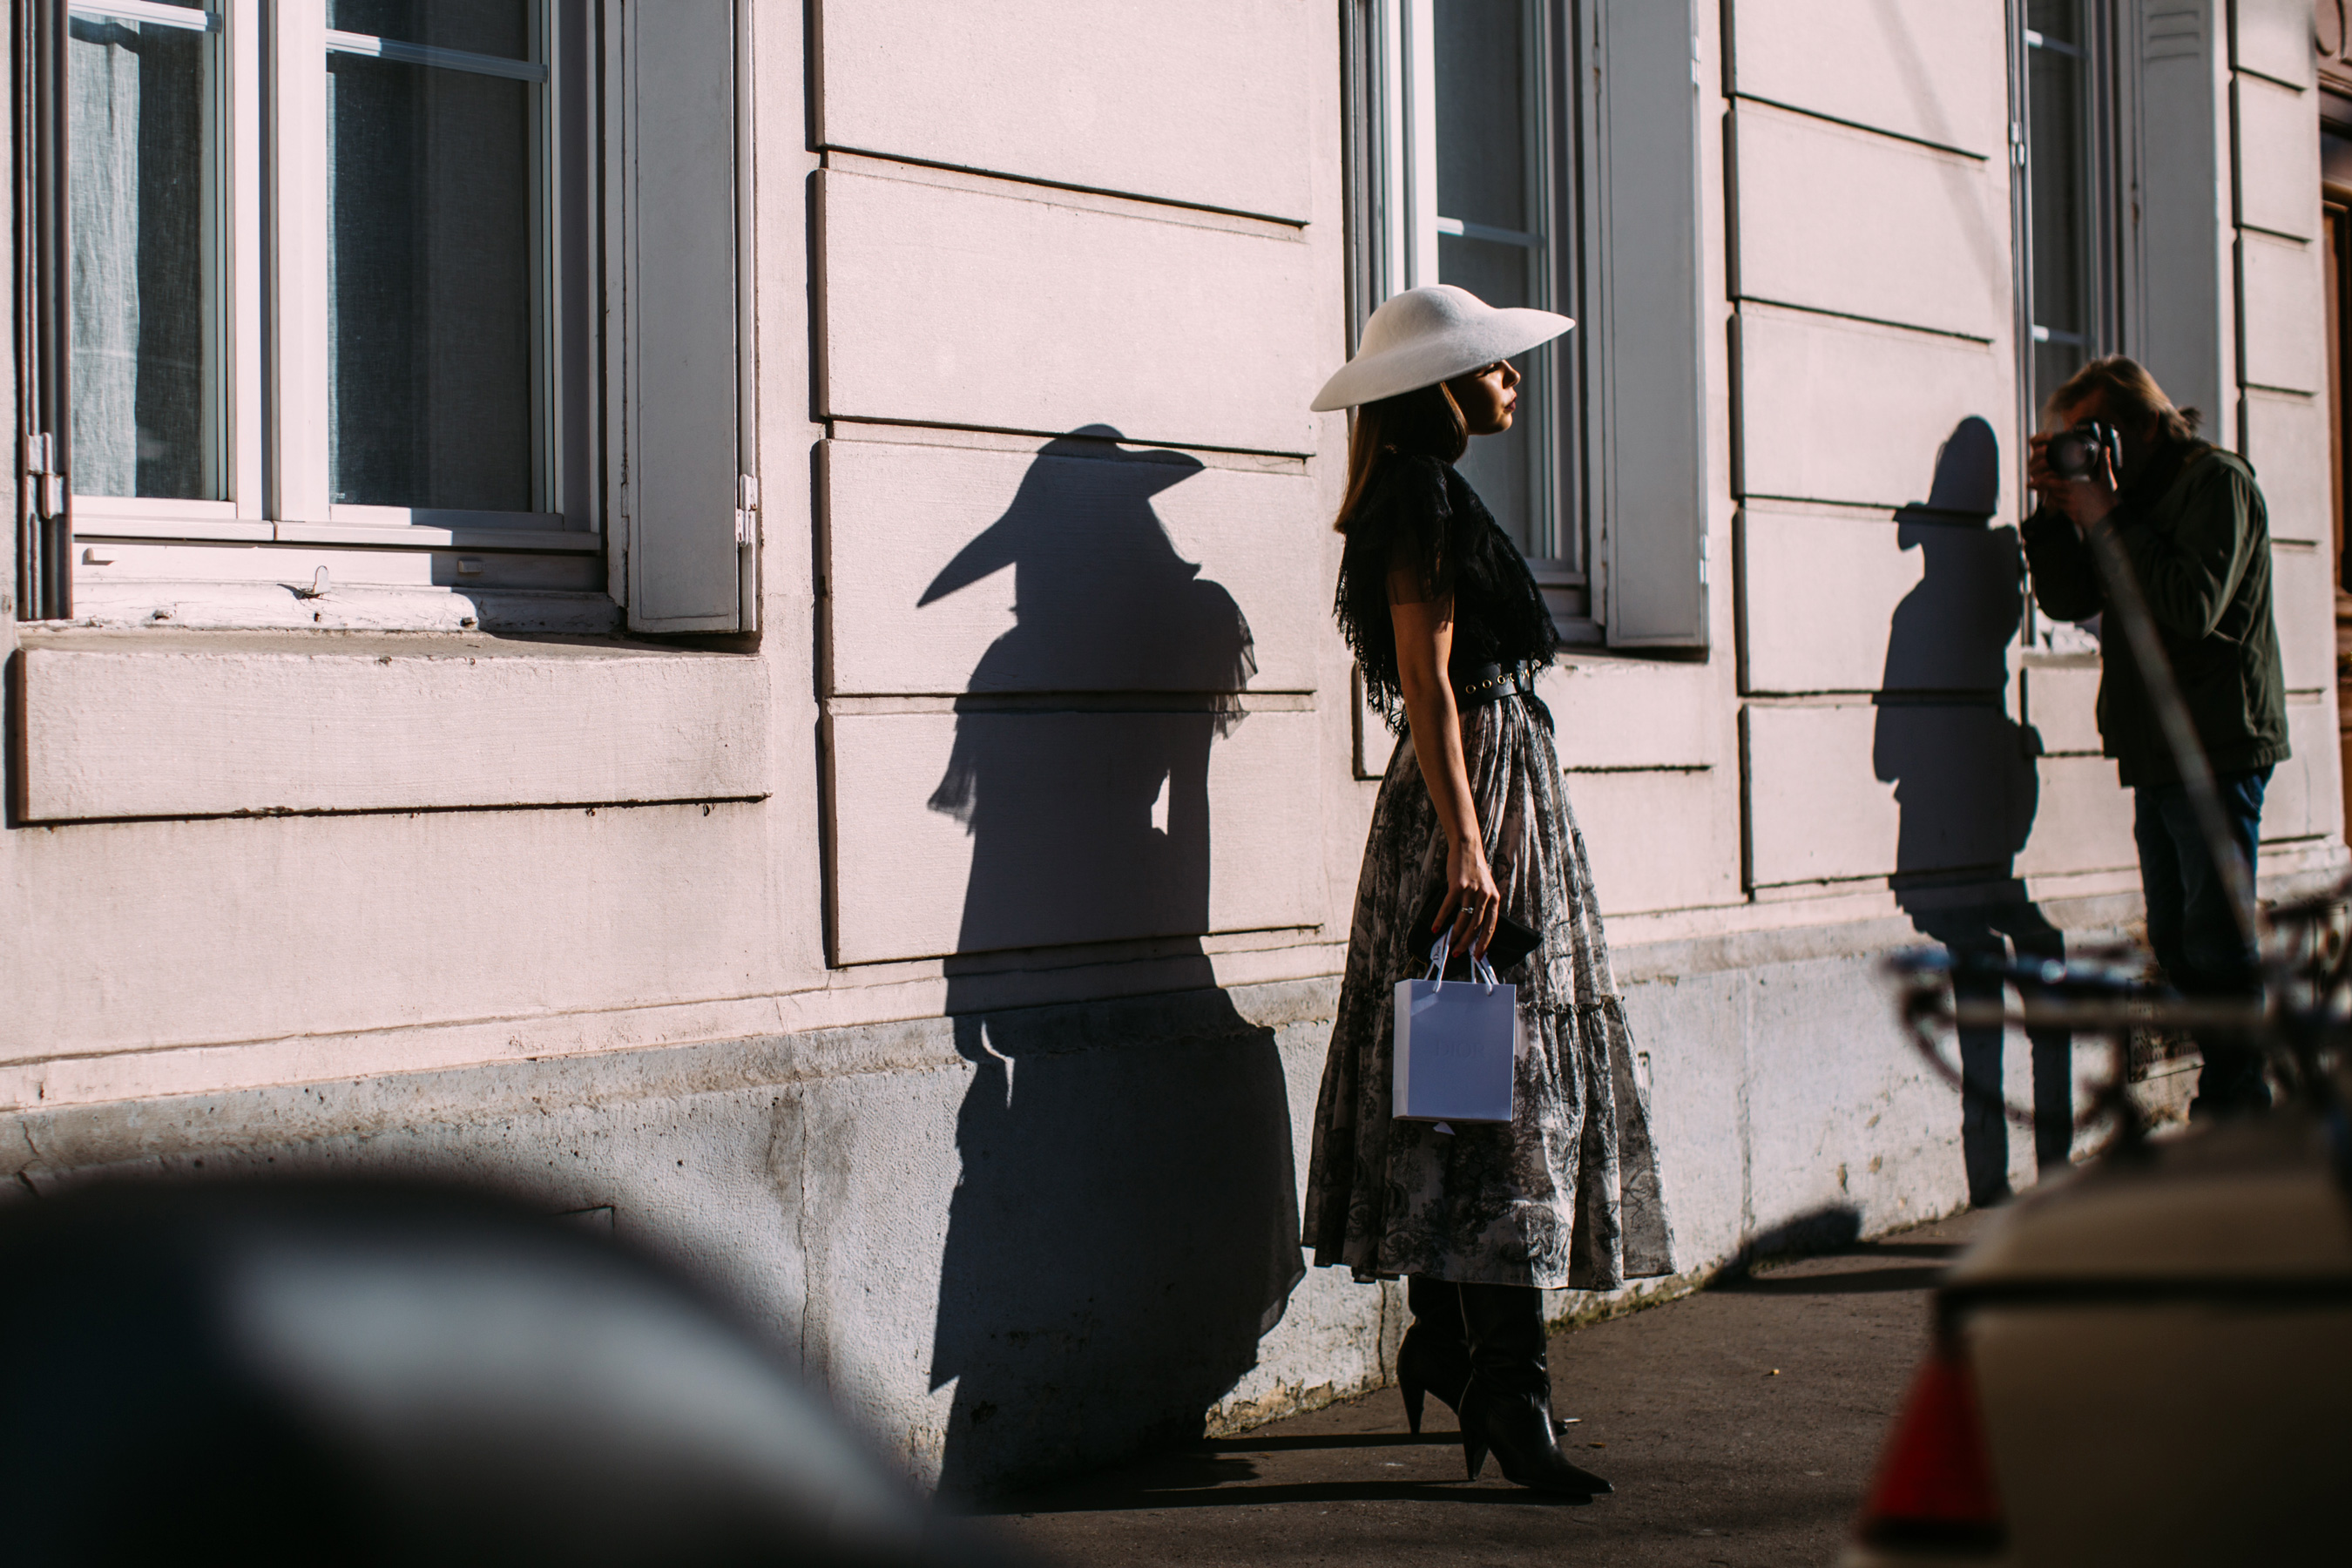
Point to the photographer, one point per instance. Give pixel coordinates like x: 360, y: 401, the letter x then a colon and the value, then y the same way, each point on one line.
x: 2115, y: 454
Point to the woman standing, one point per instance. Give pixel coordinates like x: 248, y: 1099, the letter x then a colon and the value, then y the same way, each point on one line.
x: 1448, y: 626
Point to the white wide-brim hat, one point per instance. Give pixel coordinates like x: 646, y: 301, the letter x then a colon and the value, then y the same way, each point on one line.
x: 1430, y: 334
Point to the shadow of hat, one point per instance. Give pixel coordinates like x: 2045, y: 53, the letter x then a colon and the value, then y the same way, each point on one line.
x: 1103, y: 443
x: 1142, y: 472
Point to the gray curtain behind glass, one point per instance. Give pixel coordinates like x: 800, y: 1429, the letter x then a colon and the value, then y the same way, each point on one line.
x: 140, y: 273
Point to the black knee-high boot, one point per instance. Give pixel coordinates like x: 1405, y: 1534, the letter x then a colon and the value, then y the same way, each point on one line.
x: 1507, y: 1406
x: 1435, y: 1357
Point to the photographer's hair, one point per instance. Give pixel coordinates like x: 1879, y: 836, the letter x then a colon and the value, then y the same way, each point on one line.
x: 1425, y: 422
x: 2133, y: 398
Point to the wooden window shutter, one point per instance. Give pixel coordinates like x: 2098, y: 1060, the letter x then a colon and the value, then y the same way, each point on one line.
x: 675, y: 377
x: 1650, y: 330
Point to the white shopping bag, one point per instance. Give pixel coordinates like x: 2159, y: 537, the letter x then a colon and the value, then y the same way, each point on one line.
x: 1456, y: 1045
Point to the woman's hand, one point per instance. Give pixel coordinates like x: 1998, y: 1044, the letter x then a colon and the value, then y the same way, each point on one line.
x: 1473, y: 903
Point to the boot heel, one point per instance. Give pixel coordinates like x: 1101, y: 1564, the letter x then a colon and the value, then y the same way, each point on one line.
x: 1507, y: 1404
x: 1413, y: 1392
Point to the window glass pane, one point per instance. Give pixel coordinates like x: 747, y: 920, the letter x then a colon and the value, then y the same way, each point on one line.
x: 2054, y: 19
x: 1489, y: 168
x: 1483, y: 122
x: 146, y: 274
x: 432, y: 285
x: 484, y: 26
x: 1505, y: 469
x: 2060, y: 213
x: 2053, y: 363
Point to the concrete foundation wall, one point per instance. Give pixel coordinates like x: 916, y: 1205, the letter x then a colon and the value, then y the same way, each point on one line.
x: 1035, y: 1240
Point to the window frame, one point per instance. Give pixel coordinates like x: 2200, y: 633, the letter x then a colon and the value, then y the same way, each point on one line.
x: 275, y: 380
x: 218, y: 414
x: 668, y: 534
x: 1397, y: 232
x: 2102, y: 176
x: 1638, y: 278
x: 2106, y: 177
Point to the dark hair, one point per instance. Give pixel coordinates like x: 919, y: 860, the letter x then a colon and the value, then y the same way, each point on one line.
x: 2133, y: 398
x: 1423, y: 423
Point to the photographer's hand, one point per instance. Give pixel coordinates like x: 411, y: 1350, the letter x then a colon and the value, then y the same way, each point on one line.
x: 2085, y: 502
x: 2039, y: 477
x: 2089, y: 501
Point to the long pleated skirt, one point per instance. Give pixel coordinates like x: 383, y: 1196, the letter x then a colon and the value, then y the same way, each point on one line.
x: 1567, y: 1195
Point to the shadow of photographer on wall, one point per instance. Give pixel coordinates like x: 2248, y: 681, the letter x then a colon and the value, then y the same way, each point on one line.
x: 1966, y: 784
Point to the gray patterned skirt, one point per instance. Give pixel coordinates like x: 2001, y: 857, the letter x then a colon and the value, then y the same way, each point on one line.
x: 1568, y: 1193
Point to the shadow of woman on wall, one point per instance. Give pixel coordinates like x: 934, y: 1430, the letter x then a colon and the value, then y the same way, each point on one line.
x: 1125, y: 1225
x: 1966, y: 784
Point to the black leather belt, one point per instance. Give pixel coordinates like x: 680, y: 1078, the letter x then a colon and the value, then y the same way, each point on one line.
x: 1489, y: 683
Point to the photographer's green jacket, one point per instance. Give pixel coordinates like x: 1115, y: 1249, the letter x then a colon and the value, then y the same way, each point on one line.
x: 2198, y: 538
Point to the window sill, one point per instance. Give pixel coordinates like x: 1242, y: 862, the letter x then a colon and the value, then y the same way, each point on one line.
x: 425, y: 536
x: 293, y: 604
x: 1577, y: 630
x: 1567, y: 594
x: 90, y: 523
x: 227, y: 584
x: 173, y: 724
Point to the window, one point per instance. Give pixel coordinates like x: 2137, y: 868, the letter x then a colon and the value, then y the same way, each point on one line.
x: 2065, y: 145
x: 1481, y: 194
x: 1496, y: 215
x: 2068, y: 247
x: 1491, y: 148
x: 398, y: 340
x: 328, y: 293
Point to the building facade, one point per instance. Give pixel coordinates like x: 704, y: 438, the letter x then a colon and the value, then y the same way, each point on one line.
x: 717, y: 611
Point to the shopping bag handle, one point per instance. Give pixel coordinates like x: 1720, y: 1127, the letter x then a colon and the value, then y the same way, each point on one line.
x: 1480, y: 970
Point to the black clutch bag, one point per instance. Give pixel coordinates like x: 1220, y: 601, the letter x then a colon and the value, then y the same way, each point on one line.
x: 1513, y: 941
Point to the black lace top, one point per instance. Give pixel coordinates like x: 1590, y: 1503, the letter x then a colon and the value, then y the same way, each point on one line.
x: 1421, y: 534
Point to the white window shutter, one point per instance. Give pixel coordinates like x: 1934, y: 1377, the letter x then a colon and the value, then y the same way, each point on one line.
x: 2182, y: 325
x: 1650, y: 332
x: 673, y: 108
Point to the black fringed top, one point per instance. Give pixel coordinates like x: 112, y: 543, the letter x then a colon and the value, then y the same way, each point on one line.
x: 1421, y: 534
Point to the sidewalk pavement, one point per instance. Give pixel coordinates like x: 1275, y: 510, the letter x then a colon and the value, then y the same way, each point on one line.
x: 1739, y: 1426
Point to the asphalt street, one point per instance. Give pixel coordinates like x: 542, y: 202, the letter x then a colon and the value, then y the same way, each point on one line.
x: 1738, y: 1425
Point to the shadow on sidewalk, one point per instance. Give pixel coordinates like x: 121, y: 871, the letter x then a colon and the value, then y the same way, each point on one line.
x: 1302, y: 1491
x: 1748, y: 1415
x: 1850, y: 1282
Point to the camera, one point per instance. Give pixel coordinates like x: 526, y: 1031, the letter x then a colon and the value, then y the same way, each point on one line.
x: 2075, y: 454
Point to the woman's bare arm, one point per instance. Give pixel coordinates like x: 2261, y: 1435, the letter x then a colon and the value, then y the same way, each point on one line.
x: 1425, y: 640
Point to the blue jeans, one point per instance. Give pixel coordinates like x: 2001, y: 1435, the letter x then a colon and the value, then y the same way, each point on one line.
x: 2196, y: 936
